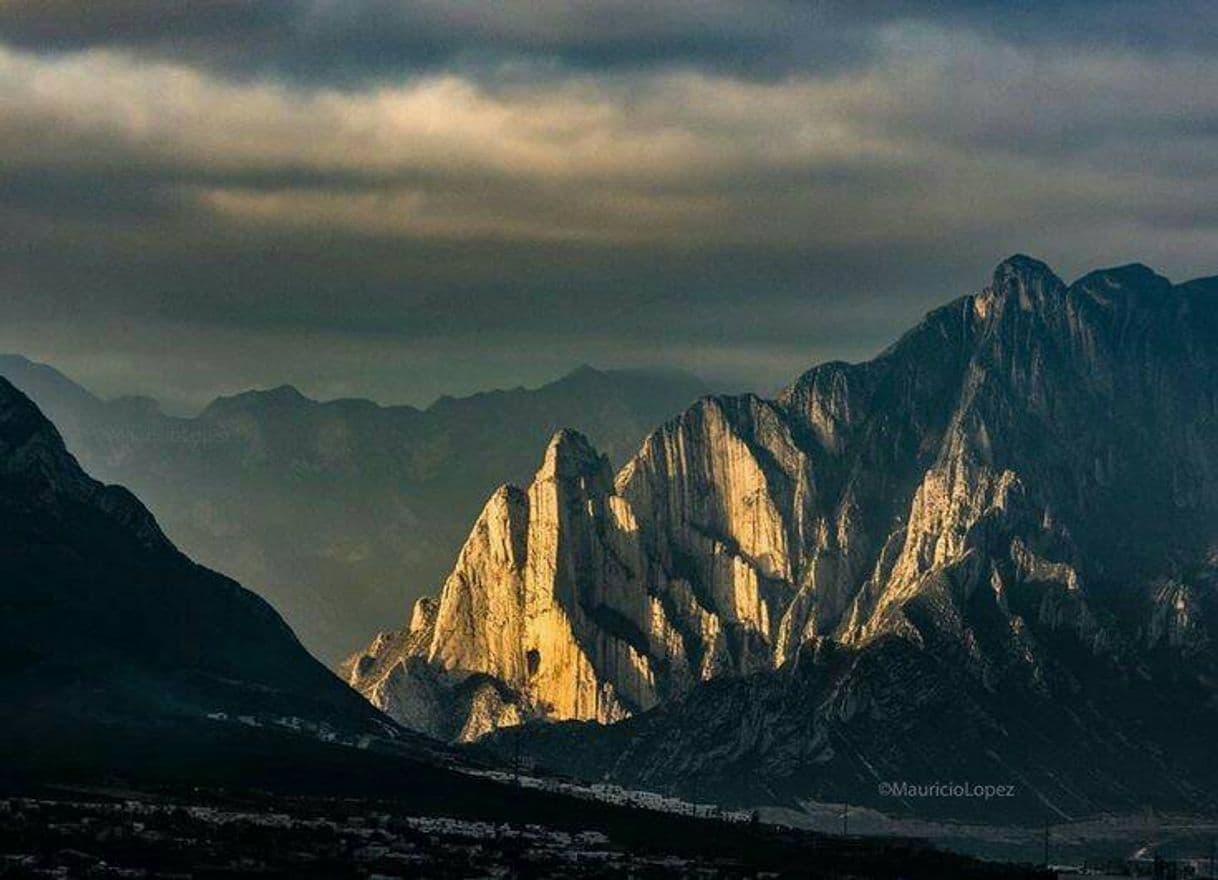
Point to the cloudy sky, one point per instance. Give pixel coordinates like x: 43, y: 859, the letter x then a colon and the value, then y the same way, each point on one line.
x: 400, y: 198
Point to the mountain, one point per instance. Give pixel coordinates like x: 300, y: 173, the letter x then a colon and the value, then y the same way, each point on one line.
x: 103, y: 623
x: 988, y: 555
x: 339, y: 512
x: 147, y: 700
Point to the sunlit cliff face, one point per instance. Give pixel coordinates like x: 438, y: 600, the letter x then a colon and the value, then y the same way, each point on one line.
x: 941, y: 497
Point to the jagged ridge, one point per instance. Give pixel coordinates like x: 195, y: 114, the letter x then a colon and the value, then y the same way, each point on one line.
x: 973, y: 488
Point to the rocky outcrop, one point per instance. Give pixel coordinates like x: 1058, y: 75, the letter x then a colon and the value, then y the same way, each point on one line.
x: 543, y: 603
x: 1021, y: 491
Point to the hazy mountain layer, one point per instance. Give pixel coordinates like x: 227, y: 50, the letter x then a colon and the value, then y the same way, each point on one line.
x: 990, y: 551
x: 339, y: 513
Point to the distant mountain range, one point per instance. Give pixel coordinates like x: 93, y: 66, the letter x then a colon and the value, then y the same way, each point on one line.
x: 988, y: 556
x: 339, y: 513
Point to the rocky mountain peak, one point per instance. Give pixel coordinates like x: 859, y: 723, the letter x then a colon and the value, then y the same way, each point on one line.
x: 571, y: 456
x: 32, y: 451
x: 34, y: 457
x: 281, y: 397
x: 1020, y: 284
x: 1020, y: 273
x: 21, y: 423
x: 1121, y: 282
x: 1006, y: 500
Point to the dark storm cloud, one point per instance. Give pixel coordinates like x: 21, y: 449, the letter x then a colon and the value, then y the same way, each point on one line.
x: 1110, y: 25
x: 211, y: 28
x: 346, y: 41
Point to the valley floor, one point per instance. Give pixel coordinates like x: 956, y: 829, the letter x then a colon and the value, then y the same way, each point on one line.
x: 121, y: 833
x: 130, y: 838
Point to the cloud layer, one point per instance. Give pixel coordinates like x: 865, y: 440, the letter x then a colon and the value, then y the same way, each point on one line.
x: 421, y: 190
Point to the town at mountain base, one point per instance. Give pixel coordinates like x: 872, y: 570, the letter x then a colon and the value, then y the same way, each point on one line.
x: 987, y: 553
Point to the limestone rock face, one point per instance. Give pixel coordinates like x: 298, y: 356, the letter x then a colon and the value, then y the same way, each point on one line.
x: 543, y: 609
x: 1024, y: 484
